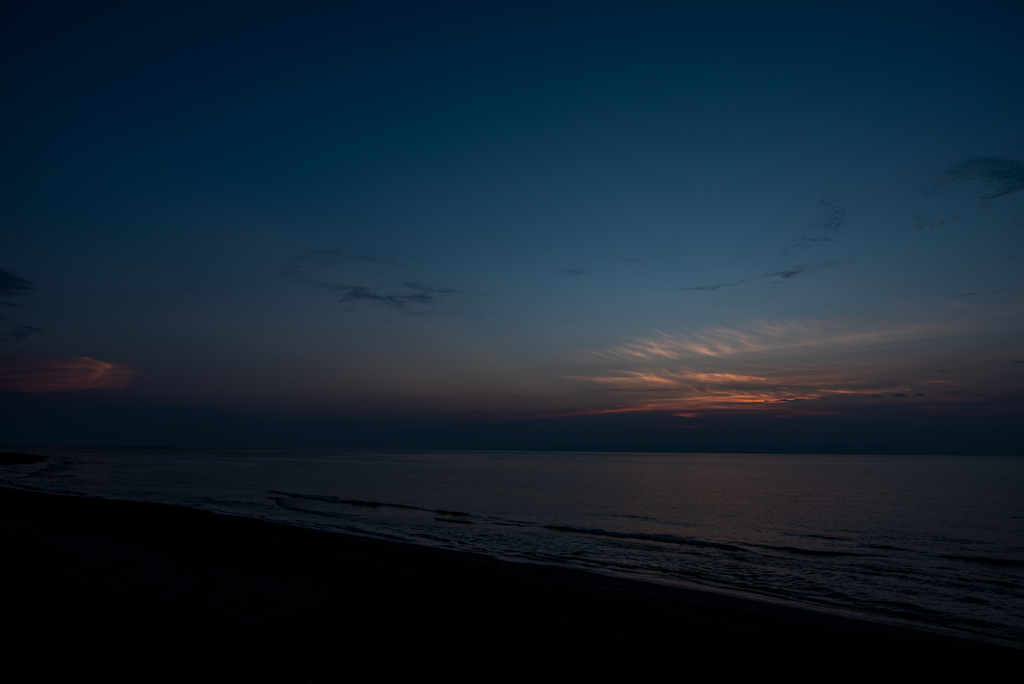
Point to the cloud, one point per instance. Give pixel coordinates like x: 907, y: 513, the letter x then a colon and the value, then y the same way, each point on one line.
x: 976, y: 294
x: 761, y: 364
x: 11, y: 331
x: 831, y: 217
x: 324, y: 258
x: 712, y: 288
x: 49, y: 375
x: 631, y: 389
x: 825, y: 229
x: 762, y: 337
x: 782, y: 275
x: 992, y: 176
x: 12, y: 284
x: 409, y: 297
x: 788, y: 273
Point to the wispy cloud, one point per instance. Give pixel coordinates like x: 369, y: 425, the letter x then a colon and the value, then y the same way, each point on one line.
x: 50, y: 375
x: 410, y: 297
x: 325, y: 258
x: 761, y: 337
x: 976, y: 294
x: 831, y: 218
x: 779, y: 276
x: 313, y: 268
x: 12, y: 284
x: 826, y: 228
x: 761, y: 364
x: 12, y: 331
x: 993, y: 177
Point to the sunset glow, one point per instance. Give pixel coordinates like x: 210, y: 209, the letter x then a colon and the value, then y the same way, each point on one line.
x: 662, y: 227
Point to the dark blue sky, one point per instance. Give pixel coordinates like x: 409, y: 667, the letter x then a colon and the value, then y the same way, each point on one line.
x: 680, y: 218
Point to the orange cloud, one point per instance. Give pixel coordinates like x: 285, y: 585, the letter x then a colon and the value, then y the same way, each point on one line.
x: 768, y: 366
x: 49, y: 375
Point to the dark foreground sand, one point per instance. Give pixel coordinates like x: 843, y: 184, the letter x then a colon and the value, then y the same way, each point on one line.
x: 8, y: 459
x: 150, y: 592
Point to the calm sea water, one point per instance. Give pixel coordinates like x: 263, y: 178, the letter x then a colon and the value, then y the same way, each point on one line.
x: 934, y: 541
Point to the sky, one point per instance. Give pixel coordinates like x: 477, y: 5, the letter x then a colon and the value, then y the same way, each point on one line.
x: 729, y: 226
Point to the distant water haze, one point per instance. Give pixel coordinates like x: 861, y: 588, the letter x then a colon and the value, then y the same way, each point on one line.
x: 936, y: 542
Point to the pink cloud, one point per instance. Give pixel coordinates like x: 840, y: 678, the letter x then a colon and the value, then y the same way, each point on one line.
x: 49, y: 375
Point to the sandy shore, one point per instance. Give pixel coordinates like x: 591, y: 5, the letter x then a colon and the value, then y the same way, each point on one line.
x: 131, y: 588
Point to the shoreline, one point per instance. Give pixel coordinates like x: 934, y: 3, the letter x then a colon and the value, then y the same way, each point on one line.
x: 300, y: 592
x: 681, y: 585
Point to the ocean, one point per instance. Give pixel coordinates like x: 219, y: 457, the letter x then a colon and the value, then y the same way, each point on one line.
x: 933, y: 542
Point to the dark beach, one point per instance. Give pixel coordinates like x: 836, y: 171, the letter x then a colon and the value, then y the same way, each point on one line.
x: 139, y: 590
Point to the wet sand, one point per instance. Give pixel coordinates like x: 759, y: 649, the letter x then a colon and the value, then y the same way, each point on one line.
x: 146, y: 591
